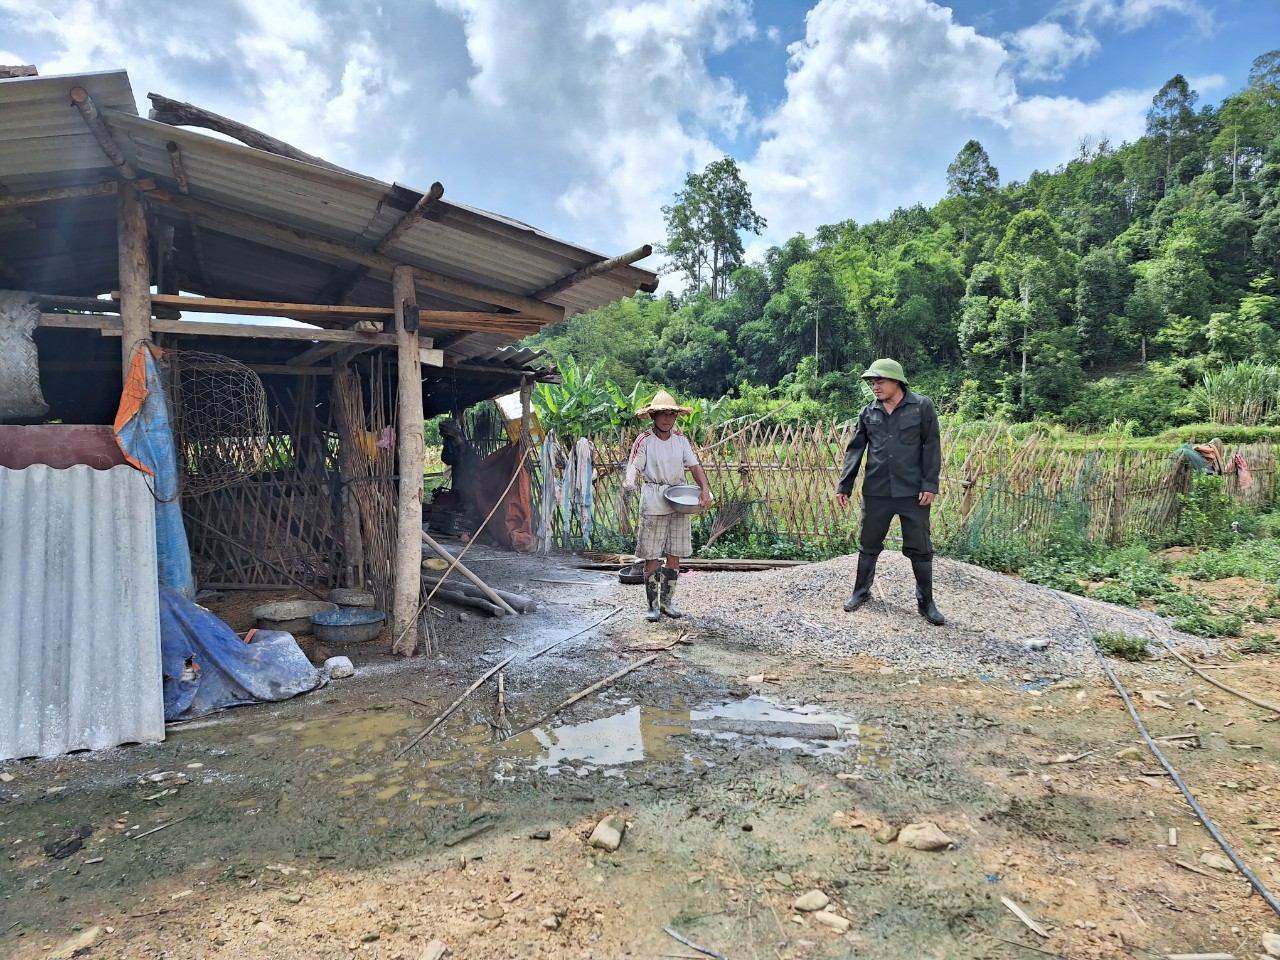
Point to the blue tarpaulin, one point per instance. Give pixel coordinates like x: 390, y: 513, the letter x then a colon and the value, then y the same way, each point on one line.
x: 208, y: 668
x: 145, y: 434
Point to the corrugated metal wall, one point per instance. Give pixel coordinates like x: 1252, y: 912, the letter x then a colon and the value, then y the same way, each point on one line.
x: 79, y: 611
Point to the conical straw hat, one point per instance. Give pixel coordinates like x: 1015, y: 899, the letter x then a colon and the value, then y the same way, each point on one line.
x: 663, y: 401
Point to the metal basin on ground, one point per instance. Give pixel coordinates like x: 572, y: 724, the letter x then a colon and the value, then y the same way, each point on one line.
x: 347, y: 625
x: 292, y: 616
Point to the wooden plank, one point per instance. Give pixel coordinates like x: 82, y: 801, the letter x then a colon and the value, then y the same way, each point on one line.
x: 196, y: 328
x: 273, y: 308
x: 59, y: 193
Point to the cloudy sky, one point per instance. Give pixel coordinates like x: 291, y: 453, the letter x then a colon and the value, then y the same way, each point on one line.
x: 582, y: 117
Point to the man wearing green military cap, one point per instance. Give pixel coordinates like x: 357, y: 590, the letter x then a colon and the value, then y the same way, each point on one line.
x: 898, y: 432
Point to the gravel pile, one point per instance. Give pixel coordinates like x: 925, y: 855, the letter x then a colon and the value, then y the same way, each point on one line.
x: 995, y: 624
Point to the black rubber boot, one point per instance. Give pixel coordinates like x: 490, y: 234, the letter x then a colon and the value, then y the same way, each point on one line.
x: 862, y: 585
x: 665, y: 603
x: 923, y: 569
x: 653, y: 592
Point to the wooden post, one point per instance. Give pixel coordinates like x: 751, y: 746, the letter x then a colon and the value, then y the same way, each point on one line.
x: 526, y: 411
x: 409, y: 420
x: 134, y: 256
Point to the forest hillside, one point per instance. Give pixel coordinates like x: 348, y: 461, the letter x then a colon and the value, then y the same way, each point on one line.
x: 1133, y: 288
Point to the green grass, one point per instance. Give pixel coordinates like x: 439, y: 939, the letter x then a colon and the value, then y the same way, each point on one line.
x: 1121, y: 646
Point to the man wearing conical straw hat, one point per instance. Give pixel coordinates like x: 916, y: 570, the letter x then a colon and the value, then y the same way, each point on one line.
x: 659, y: 458
x: 898, y: 432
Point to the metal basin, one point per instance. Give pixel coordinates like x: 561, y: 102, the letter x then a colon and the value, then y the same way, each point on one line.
x: 292, y: 616
x: 348, y: 625
x: 683, y: 497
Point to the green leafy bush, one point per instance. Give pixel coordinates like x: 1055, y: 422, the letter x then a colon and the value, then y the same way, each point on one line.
x: 1122, y: 646
x: 1116, y: 593
x: 1256, y: 559
x: 1206, y: 515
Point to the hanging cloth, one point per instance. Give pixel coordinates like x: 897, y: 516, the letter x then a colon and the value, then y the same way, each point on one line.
x: 549, y: 463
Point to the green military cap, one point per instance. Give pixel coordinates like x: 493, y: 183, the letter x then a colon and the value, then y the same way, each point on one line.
x: 889, y: 369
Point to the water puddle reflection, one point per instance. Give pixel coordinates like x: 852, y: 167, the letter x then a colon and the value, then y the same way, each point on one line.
x: 629, y: 743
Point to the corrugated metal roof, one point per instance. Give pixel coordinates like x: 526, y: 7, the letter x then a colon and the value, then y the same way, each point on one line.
x: 45, y: 144
x: 79, y: 611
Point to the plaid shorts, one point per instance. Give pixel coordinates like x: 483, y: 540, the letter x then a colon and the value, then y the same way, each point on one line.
x: 664, y: 534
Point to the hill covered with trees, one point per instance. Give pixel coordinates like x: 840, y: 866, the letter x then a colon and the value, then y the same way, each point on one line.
x: 1136, y: 284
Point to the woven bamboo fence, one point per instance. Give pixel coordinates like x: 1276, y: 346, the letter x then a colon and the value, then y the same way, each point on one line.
x: 782, y: 479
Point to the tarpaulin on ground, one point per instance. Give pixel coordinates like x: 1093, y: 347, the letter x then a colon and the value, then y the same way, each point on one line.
x: 208, y: 668
x: 144, y: 432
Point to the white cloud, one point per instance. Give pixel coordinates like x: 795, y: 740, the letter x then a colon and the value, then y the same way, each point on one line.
x: 1049, y: 130
x: 881, y: 94
x: 621, y: 112
x: 1045, y: 50
x: 1134, y: 14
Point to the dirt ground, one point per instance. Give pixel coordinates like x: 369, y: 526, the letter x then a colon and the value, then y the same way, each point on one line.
x: 318, y: 827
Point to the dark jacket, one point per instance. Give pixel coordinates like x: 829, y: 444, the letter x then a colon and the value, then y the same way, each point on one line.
x: 904, y: 449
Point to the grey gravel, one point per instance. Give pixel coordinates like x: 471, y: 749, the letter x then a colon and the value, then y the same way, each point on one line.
x: 995, y: 623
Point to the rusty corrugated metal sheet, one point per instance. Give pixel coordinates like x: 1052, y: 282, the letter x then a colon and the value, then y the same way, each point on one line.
x: 79, y: 611
x: 45, y: 144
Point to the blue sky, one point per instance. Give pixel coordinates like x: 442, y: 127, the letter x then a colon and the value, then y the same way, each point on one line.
x: 582, y: 117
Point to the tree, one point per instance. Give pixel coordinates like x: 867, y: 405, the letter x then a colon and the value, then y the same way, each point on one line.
x: 1171, y: 121
x: 971, y: 173
x: 704, y: 224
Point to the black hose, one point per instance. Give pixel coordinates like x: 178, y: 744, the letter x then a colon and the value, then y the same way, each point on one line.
x: 1209, y: 825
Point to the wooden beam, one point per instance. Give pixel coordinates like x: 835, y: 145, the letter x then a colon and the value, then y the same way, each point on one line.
x: 13, y: 71
x: 179, y: 114
x: 179, y: 168
x: 89, y: 111
x: 133, y: 252
x: 594, y: 270
x: 405, y: 224
x: 13, y: 200
x: 408, y: 561
x: 196, y: 328
x: 273, y: 308
x: 430, y: 356
x: 342, y: 287
x: 347, y: 253
x: 321, y: 351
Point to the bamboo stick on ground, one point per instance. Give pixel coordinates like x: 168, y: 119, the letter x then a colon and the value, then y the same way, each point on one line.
x: 452, y: 707
x: 588, y: 691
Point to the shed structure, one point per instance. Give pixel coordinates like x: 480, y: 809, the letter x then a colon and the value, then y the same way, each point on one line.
x: 300, y: 447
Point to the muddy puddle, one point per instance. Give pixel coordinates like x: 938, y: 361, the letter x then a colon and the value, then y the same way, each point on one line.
x: 362, y: 756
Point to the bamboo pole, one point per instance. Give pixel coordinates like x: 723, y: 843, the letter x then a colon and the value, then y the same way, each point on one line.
x: 409, y: 421
x: 444, y: 554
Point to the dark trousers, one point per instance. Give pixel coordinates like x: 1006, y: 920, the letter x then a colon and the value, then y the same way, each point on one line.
x: 878, y: 513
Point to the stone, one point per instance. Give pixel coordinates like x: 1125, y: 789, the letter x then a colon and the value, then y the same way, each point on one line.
x: 1271, y: 944
x: 1218, y: 862
x: 492, y: 912
x: 1129, y: 753
x: 811, y: 901
x: 551, y: 923
x: 81, y: 941
x: 339, y: 668
x: 783, y: 879
x: 886, y: 834
x: 434, y: 950
x: 608, y: 834
x: 923, y: 836
x: 833, y: 920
